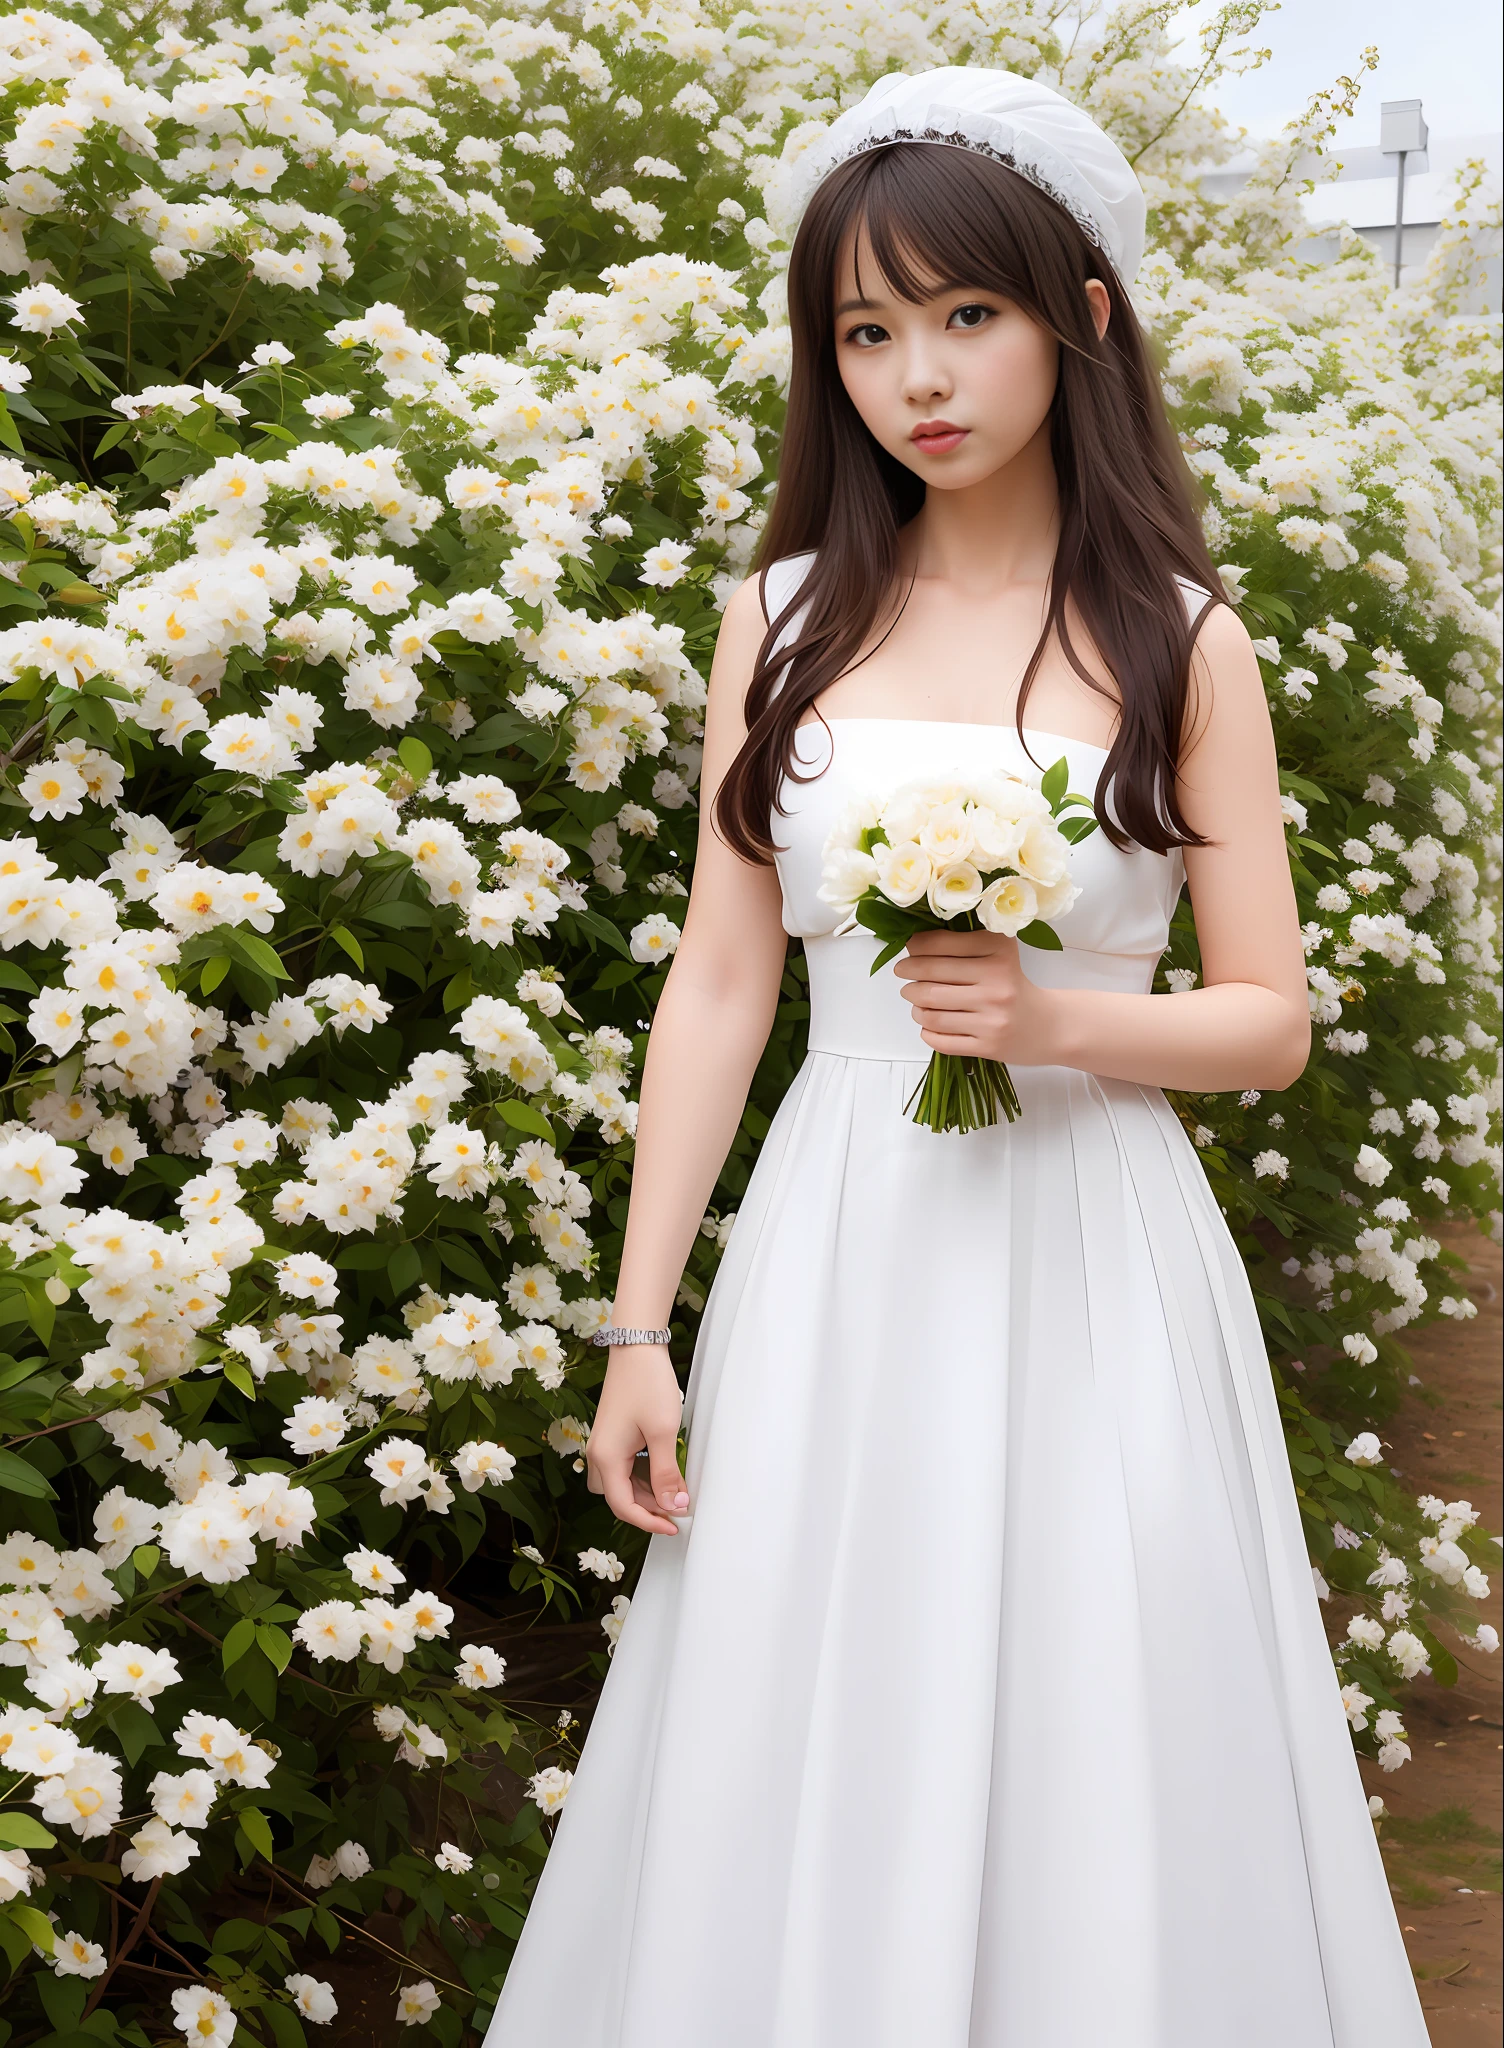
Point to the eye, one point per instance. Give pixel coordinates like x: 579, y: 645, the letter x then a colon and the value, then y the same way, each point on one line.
x: 867, y: 327
x: 986, y: 313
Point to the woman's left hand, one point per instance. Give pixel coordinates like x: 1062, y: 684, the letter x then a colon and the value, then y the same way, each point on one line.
x: 969, y: 994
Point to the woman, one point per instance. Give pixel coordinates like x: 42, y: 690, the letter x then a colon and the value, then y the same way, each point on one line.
x: 974, y: 1692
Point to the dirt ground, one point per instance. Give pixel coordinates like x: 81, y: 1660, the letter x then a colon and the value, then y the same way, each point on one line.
x: 1441, y: 1844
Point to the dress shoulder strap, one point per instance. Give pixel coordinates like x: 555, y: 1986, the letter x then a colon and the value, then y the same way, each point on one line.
x: 1195, y: 595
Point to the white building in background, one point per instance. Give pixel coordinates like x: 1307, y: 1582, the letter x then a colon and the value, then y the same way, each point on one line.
x: 1363, y: 195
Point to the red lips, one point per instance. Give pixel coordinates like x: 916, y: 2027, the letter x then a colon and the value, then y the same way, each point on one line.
x: 937, y: 437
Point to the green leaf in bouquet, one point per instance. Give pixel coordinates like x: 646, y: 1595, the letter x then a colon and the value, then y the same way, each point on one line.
x: 1074, y: 830
x: 889, y: 952
x: 1053, y: 786
x: 887, y: 920
x: 1042, y: 936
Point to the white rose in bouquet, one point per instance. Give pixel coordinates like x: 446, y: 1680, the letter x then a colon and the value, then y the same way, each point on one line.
x: 980, y: 852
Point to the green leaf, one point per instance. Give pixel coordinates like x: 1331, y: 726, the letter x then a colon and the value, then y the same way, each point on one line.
x: 238, y: 1373
x: 1055, y: 782
x: 415, y: 758
x: 241, y: 1637
x: 613, y: 975
x: 349, y: 943
x: 523, y: 1117
x: 36, y: 1926
x: 20, y: 1831
x: 603, y: 929
x: 406, y: 1269
x: 260, y: 954
x: 275, y: 1645
x: 16, y: 1476
x: 146, y: 1559
x: 135, y: 1729
x: 215, y: 970
x: 399, y: 914
x: 258, y: 1832
x: 1041, y: 936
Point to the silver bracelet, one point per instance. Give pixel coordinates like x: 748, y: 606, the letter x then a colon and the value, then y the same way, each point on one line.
x: 612, y: 1335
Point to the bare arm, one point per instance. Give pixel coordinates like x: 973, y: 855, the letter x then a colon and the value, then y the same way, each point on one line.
x: 1248, y: 1026
x: 709, y: 1029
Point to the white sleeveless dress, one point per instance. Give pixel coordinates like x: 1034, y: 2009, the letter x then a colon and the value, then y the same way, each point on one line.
x: 982, y: 1700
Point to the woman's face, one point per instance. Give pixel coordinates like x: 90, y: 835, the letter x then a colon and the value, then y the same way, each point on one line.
x: 967, y: 359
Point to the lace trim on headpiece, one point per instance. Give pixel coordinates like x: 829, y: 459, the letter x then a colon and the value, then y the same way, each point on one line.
x: 986, y: 136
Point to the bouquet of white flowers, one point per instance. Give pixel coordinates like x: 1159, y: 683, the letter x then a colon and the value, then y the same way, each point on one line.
x: 987, y: 852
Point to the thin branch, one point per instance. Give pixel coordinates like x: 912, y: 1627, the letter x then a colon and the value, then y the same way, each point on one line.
x: 293, y: 1883
x: 126, y: 1946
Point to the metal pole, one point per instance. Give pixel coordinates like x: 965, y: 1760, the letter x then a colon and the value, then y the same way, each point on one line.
x: 1399, y: 217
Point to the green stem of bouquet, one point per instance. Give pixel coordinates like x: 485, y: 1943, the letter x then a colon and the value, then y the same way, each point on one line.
x: 960, y: 1092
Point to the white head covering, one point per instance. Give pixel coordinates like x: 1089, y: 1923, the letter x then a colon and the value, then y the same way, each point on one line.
x: 1024, y: 124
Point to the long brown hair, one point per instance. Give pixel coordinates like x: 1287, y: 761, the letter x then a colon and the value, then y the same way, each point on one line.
x: 1129, y: 519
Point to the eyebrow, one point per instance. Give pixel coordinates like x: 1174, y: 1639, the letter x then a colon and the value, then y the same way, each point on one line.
x: 855, y: 306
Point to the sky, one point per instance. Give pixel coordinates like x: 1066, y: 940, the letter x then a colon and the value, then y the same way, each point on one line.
x: 1449, y: 54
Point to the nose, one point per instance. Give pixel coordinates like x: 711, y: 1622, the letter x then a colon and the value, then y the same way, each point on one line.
x: 924, y: 375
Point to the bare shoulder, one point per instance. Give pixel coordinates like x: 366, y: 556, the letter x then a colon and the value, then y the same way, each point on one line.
x: 741, y: 634
x: 743, y: 611
x: 1226, y: 696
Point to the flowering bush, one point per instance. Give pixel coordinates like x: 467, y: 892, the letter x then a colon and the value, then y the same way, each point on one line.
x: 374, y: 486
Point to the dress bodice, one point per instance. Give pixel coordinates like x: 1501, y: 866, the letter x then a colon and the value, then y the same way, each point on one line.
x: 1112, y: 937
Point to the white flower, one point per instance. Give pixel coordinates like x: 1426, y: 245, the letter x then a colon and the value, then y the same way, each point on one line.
x: 453, y: 1859
x: 1270, y: 1165
x: 373, y: 1569
x: 603, y: 1564
x: 54, y: 789
x: 85, y: 1797
x: 316, y: 1426
x: 313, y: 1998
x: 1371, y: 1167
x: 1365, y: 1631
x: 477, y: 1463
x: 205, y: 2016
x: 1362, y: 1350
x: 664, y: 565
x: 417, y: 2003
x: 17, y: 1875
x: 184, y: 1800
x: 158, y: 1850
x: 400, y: 1469
x: 352, y: 1860
x: 1355, y: 1704
x: 42, y: 309
x: 1364, y: 1450
x: 72, y: 1956
x: 611, y: 1624
x: 335, y: 1628
x: 655, y: 938
x: 138, y: 1672
x: 479, y: 1668
x: 549, y: 1788
x: 1409, y: 1652
x: 210, y: 1536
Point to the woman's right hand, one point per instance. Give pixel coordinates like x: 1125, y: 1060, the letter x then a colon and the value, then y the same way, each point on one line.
x: 640, y: 1404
